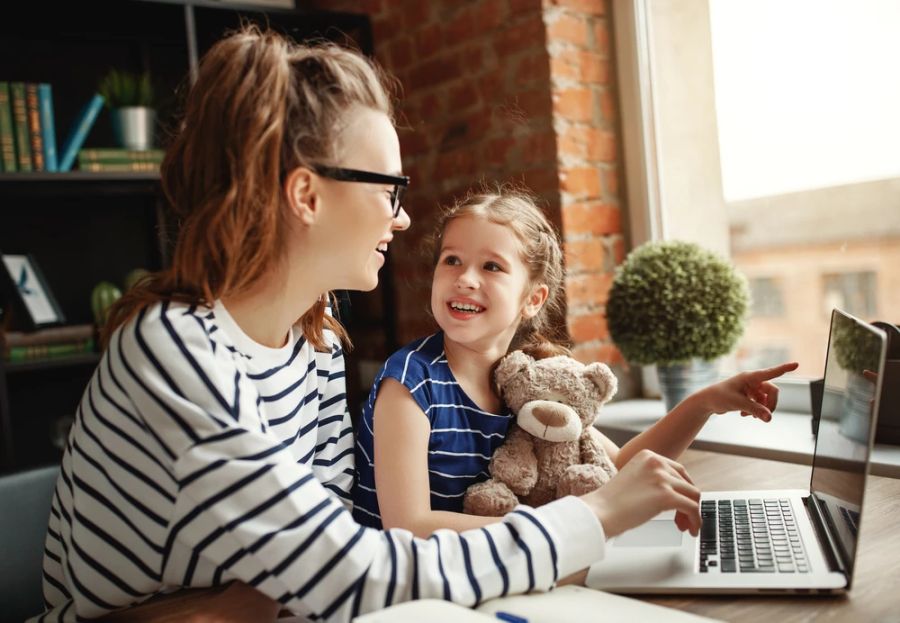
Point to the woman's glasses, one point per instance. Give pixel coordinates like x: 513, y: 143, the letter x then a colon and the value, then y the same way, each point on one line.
x: 399, y: 182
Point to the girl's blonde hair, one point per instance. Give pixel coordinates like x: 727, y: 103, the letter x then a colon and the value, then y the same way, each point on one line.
x: 544, y: 334
x: 262, y: 105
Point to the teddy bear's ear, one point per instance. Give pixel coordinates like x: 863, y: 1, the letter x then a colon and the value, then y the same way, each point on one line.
x: 509, y: 367
x: 600, y: 375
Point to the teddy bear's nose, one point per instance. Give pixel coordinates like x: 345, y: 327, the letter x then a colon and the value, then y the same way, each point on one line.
x: 549, y: 416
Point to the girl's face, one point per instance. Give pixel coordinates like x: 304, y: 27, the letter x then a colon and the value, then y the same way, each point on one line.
x: 480, y: 291
x: 360, y: 214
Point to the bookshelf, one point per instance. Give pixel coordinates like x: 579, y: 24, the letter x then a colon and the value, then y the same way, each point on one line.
x: 84, y: 227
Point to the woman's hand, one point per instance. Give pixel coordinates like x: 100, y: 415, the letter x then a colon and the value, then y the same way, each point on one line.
x: 751, y: 393
x: 646, y: 486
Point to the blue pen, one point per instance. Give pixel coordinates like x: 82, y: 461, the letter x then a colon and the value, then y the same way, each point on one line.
x: 510, y: 617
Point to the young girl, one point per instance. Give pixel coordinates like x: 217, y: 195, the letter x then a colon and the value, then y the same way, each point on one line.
x: 212, y: 444
x: 497, y: 281
x: 432, y: 420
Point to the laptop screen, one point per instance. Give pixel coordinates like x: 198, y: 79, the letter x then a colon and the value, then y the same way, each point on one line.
x: 853, y: 371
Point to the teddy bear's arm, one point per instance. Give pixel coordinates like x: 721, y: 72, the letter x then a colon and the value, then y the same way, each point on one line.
x: 515, y: 463
x: 593, y: 449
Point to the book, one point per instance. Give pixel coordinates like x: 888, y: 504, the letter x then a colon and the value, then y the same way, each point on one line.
x: 53, y: 335
x: 566, y: 604
x: 112, y: 155
x: 20, y: 126
x: 118, y: 166
x: 35, y: 138
x: 80, y: 128
x: 48, y: 127
x: 48, y: 351
x: 7, y: 135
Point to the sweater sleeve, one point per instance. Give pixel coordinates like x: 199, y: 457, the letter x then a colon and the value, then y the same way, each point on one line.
x: 246, y: 510
x: 333, y: 463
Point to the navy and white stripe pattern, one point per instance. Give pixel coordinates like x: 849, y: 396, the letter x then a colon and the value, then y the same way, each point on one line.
x: 463, y: 437
x: 195, y: 462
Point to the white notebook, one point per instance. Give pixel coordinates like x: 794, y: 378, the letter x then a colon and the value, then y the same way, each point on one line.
x: 567, y: 604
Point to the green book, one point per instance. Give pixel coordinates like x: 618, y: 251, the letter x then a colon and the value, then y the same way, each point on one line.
x: 7, y: 135
x: 112, y: 155
x: 20, y: 126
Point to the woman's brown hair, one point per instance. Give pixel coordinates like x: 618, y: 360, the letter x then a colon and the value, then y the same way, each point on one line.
x: 261, y: 106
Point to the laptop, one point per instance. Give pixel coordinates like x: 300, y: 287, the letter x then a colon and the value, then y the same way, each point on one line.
x: 773, y: 541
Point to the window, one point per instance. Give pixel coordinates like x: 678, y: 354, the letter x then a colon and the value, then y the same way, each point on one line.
x: 852, y: 292
x: 766, y: 299
x: 767, y: 131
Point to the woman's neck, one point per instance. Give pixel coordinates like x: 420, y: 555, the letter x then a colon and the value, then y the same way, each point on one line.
x: 269, y: 311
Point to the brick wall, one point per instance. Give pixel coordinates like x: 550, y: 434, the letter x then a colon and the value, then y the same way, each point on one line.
x: 507, y: 90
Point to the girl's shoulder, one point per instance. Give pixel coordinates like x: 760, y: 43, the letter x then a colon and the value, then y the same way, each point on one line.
x: 421, y: 358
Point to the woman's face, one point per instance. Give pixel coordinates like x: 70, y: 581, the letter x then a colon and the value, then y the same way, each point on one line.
x: 360, y: 215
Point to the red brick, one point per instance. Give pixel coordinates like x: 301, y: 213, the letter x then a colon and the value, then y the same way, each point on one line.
x: 608, y: 106
x: 591, y: 217
x: 412, y: 143
x: 580, y: 181
x: 436, y: 71
x: 496, y: 151
x: 611, y: 182
x: 618, y: 250
x: 533, y: 104
x: 540, y: 180
x: 532, y: 68
x: 523, y: 7
x: 415, y: 15
x: 569, y: 28
x: 592, y: 68
x: 586, y: 290
x: 462, y: 96
x: 590, y: 7
x: 574, y: 104
x: 491, y: 86
x: 601, y: 38
x: 428, y: 42
x: 601, y: 144
x: 460, y: 27
x: 539, y: 147
x: 400, y: 53
x: 564, y: 64
x: 585, y: 255
x: 603, y: 352
x: 526, y: 35
x: 588, y: 327
x: 489, y: 14
x: 472, y: 57
x: 457, y: 163
x: 571, y: 142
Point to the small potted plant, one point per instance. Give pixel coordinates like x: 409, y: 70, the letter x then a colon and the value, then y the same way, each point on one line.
x: 129, y: 97
x: 680, y: 307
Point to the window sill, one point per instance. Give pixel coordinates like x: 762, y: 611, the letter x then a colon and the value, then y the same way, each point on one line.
x: 788, y: 437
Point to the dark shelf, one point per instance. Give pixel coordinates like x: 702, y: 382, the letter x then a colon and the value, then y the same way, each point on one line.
x: 80, y: 182
x: 79, y: 176
x: 82, y: 359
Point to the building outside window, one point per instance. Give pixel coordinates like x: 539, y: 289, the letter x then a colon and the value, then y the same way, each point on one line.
x: 767, y: 131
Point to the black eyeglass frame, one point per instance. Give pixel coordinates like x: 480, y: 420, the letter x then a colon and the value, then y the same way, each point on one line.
x: 400, y: 182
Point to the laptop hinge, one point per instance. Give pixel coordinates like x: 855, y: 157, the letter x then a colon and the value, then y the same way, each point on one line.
x: 833, y: 553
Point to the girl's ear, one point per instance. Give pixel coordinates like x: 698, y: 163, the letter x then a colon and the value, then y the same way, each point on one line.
x: 535, y: 300
x: 302, y: 200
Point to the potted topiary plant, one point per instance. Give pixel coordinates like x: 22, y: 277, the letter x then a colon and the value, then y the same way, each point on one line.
x: 680, y: 307
x: 129, y: 97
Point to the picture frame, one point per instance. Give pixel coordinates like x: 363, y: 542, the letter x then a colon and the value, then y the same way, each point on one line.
x: 35, y: 305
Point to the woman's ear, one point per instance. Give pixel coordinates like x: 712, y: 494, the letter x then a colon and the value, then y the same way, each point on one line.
x: 535, y: 300
x: 299, y: 189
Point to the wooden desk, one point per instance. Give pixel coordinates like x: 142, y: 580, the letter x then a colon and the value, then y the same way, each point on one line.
x: 875, y: 595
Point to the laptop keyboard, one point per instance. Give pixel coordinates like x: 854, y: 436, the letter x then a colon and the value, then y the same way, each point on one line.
x: 750, y: 536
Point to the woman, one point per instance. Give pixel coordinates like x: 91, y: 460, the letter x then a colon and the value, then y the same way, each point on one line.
x: 212, y: 444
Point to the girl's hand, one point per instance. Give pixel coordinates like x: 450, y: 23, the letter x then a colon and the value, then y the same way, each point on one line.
x: 751, y: 393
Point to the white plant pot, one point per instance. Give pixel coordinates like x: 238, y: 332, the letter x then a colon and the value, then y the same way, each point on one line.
x: 133, y: 126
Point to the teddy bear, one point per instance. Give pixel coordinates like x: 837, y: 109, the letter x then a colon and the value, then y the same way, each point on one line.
x: 552, y: 450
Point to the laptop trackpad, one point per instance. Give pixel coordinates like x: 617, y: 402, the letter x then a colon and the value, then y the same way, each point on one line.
x: 654, y: 533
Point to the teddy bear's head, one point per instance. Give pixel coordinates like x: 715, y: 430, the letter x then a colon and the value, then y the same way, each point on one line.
x: 553, y: 398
